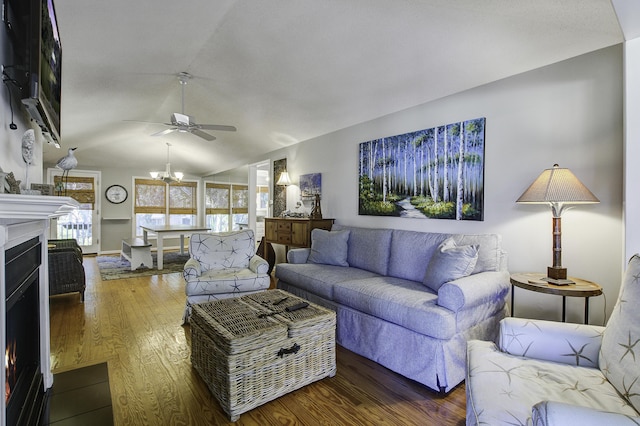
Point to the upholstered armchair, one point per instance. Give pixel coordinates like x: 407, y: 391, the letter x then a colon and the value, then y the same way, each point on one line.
x: 549, y: 373
x: 223, y: 265
x: 66, y: 272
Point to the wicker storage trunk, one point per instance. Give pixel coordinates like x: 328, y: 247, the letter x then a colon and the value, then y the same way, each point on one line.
x: 250, y: 350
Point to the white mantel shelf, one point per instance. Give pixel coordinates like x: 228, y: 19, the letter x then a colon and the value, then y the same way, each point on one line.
x: 34, y: 207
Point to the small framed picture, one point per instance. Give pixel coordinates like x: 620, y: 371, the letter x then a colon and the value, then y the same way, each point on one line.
x: 45, y: 189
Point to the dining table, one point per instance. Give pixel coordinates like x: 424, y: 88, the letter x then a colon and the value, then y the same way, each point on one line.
x: 169, y: 231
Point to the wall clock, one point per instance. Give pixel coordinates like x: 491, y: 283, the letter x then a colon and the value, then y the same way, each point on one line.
x: 116, y: 194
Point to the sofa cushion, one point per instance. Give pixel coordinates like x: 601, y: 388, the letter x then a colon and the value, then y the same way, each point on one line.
x: 368, y: 248
x: 619, y: 353
x: 318, y: 279
x: 402, y: 302
x: 411, y: 252
x: 490, y: 254
x: 450, y: 262
x: 230, y: 280
x: 329, y: 247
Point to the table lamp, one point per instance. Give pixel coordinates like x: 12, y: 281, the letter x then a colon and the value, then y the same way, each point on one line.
x: 559, y: 188
x: 284, y: 179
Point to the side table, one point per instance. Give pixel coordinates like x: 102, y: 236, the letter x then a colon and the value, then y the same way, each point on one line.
x: 533, y: 281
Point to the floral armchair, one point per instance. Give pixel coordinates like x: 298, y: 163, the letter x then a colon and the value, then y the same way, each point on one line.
x: 223, y: 265
x: 549, y: 373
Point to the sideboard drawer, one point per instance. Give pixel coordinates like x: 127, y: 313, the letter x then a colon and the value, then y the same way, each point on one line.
x: 293, y: 232
x: 284, y: 226
x: 284, y: 239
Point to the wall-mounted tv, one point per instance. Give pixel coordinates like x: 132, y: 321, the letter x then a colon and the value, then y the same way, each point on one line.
x: 43, y: 94
x: 37, y: 54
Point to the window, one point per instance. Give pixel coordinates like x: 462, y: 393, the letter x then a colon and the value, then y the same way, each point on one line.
x: 155, y: 201
x: 227, y: 206
x: 77, y: 224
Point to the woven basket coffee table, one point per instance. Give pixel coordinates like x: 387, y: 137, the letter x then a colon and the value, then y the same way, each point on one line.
x: 251, y: 350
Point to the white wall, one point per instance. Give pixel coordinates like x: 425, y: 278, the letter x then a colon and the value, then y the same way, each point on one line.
x: 569, y: 113
x: 11, y: 140
x: 632, y: 146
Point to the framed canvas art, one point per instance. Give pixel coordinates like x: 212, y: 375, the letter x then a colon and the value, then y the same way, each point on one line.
x: 310, y: 185
x: 435, y: 173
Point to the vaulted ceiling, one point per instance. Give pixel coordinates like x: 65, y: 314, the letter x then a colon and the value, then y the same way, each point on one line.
x: 285, y: 71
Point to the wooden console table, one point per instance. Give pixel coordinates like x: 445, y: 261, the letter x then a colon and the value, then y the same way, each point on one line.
x: 293, y: 232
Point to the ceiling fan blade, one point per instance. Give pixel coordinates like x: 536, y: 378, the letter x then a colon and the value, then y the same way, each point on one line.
x: 165, y: 132
x: 217, y: 127
x: 203, y: 135
x: 147, y: 122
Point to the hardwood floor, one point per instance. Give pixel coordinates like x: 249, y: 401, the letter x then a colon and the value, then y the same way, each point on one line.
x: 135, y: 326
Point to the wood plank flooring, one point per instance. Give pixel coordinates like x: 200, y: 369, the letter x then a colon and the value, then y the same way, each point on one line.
x: 134, y: 325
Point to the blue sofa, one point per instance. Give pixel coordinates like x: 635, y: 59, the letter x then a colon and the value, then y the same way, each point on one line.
x: 407, y: 300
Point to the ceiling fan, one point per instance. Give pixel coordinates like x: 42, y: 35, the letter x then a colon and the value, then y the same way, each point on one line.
x: 181, y: 122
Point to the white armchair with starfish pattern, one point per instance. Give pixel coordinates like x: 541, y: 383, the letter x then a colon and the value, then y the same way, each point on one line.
x: 550, y: 373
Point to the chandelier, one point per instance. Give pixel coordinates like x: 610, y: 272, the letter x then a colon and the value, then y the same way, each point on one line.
x: 166, y: 176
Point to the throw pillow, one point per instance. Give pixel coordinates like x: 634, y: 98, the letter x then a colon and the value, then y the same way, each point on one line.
x: 450, y: 262
x: 329, y: 247
x: 619, y: 358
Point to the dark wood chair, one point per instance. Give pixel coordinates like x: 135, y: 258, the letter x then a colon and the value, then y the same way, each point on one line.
x: 66, y: 272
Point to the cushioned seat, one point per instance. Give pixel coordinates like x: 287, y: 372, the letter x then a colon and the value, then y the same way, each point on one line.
x: 320, y: 279
x: 223, y: 265
x: 402, y: 302
x: 550, y: 373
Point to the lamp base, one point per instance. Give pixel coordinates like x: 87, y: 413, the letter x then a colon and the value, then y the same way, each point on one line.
x: 557, y: 273
x: 557, y: 281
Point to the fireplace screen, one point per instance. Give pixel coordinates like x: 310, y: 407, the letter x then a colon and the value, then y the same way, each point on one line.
x: 23, y: 378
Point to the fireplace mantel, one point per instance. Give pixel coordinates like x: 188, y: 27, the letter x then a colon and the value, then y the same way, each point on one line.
x: 23, y: 217
x: 21, y: 207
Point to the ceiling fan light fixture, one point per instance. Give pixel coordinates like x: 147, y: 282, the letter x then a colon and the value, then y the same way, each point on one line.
x: 183, y: 123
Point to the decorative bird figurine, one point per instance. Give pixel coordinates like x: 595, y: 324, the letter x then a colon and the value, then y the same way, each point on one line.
x: 67, y: 163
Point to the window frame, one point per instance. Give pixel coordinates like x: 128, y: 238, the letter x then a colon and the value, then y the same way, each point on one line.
x: 166, y: 209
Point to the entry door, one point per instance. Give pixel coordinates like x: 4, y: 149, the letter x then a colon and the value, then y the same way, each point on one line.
x: 82, y: 224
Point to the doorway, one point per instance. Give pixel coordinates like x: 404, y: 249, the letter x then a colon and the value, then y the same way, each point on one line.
x: 259, y: 197
x: 82, y: 224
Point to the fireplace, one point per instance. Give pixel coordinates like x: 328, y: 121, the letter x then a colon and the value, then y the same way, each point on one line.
x: 24, y: 393
x: 24, y: 303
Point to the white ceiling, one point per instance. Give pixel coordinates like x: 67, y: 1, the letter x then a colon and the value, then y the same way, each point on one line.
x: 284, y: 71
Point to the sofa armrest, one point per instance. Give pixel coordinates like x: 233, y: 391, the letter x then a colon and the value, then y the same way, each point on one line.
x: 258, y: 265
x: 298, y: 255
x: 557, y: 413
x: 191, y: 269
x: 473, y: 290
x: 573, y: 344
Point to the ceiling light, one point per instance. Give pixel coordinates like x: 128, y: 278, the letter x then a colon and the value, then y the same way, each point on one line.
x: 166, y: 176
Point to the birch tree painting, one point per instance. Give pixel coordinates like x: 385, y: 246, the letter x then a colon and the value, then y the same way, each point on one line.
x: 433, y: 173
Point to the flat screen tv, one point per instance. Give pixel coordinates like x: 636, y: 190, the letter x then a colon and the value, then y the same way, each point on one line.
x: 42, y: 94
x: 36, y: 70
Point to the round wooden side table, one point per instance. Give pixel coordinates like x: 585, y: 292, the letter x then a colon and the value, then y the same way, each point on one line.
x: 533, y: 281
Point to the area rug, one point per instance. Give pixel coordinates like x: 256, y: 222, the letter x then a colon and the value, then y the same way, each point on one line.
x: 115, y: 268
